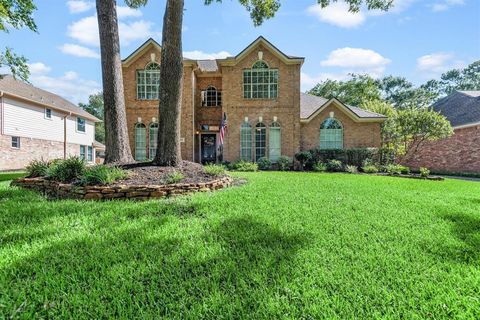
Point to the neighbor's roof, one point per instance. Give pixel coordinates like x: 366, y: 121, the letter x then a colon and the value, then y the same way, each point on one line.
x: 19, y: 89
x: 460, y: 108
x: 309, y: 104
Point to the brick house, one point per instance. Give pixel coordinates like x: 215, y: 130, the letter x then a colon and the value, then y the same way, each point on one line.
x: 258, y: 91
x: 459, y: 153
x: 37, y: 124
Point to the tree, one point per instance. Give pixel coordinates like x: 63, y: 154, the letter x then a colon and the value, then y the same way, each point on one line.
x: 117, y: 148
x: 95, y: 107
x: 16, y: 14
x: 457, y: 79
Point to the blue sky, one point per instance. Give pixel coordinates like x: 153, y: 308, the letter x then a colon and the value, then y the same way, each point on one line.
x: 418, y: 39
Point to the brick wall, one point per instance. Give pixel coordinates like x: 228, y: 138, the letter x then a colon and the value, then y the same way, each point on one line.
x: 459, y: 153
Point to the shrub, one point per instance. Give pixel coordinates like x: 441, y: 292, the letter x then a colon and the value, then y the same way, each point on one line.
x: 303, y: 157
x: 264, y: 163
x: 319, y: 167
x: 424, y: 172
x: 37, y: 168
x: 394, y: 169
x: 405, y: 170
x: 355, y: 156
x: 214, y: 170
x: 244, y: 166
x: 174, y: 177
x: 66, y: 170
x: 102, y: 174
x: 370, y: 168
x: 283, y: 163
x: 351, y: 169
x: 334, y: 166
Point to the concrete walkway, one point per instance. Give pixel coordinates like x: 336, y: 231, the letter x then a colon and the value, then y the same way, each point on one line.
x: 461, y: 178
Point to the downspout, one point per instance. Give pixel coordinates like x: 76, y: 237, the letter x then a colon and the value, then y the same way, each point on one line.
x: 193, y: 114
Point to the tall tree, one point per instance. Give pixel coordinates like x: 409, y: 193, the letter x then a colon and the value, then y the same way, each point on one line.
x: 16, y: 14
x: 95, y: 107
x: 117, y: 148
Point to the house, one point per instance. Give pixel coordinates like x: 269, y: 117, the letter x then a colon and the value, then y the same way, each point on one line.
x: 258, y: 91
x: 459, y: 153
x: 37, y: 124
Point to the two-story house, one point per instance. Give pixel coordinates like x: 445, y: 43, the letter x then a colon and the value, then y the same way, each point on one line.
x: 36, y: 124
x: 258, y: 91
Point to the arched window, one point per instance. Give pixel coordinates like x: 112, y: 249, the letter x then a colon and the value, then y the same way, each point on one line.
x: 211, y: 97
x: 331, y: 134
x: 153, y: 140
x: 260, y: 141
x: 274, y: 142
x: 246, y: 141
x: 148, y: 82
x: 260, y: 82
x: 140, y: 142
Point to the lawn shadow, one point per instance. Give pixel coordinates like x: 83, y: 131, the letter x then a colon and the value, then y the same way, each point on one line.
x: 466, y: 229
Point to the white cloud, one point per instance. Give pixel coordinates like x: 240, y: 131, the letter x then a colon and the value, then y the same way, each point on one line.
x: 357, y: 60
x: 38, y: 68
x: 138, y: 30
x: 200, y: 55
x: 433, y: 65
x: 79, y: 51
x: 446, y: 4
x: 127, y: 12
x: 78, y: 6
x: 308, y: 82
x: 338, y: 15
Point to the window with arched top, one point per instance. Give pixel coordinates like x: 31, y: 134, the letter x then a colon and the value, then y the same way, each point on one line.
x: 211, y: 97
x: 260, y: 141
x: 274, y: 142
x: 148, y: 82
x: 140, y: 142
x: 246, y: 141
x: 153, y: 140
x: 331, y: 134
x: 260, y: 82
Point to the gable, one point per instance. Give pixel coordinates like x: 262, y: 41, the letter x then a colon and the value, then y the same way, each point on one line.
x: 460, y: 108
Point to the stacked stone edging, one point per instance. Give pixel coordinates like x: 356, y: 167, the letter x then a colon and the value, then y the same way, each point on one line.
x: 54, y: 189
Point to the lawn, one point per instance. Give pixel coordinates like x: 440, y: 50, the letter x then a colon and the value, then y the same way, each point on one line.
x: 285, y: 245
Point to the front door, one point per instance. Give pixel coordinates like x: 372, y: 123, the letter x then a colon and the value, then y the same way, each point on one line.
x: 209, y: 148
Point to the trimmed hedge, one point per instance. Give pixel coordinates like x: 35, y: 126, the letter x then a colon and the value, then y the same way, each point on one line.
x: 354, y: 157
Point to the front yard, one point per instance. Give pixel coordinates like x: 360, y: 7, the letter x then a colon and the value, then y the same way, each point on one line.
x: 285, y: 245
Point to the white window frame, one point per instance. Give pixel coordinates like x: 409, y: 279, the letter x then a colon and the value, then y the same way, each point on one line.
x: 258, y: 128
x: 18, y: 142
x: 90, y: 156
x: 246, y: 141
x: 211, y: 97
x: 140, y: 154
x: 83, y: 154
x: 256, y: 77
x: 84, y: 125
x: 326, y: 135
x: 274, y: 152
x: 46, y: 114
x: 151, y: 72
x: 152, y: 140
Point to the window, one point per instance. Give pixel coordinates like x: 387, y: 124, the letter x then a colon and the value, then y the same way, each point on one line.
x: 275, y: 142
x: 90, y: 154
x: 16, y: 142
x: 246, y: 142
x: 140, y: 142
x: 82, y: 152
x: 80, y: 124
x: 211, y: 97
x: 260, y: 82
x: 260, y: 141
x: 48, y: 113
x: 153, y: 135
x: 148, y: 82
x: 331, y: 134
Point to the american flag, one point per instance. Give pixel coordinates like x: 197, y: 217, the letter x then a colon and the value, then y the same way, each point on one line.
x: 223, y: 129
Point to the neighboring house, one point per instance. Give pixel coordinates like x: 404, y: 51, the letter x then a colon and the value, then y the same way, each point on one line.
x: 459, y: 153
x: 259, y: 92
x: 37, y: 124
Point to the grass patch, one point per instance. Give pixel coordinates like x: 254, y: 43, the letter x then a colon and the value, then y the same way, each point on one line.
x: 285, y: 245
x: 6, y: 176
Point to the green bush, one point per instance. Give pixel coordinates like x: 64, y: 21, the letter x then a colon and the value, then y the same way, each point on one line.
x: 319, y: 167
x: 66, y: 170
x: 355, y: 156
x: 303, y: 157
x: 351, y: 169
x: 405, y: 170
x: 102, y: 174
x: 424, y: 172
x: 214, y: 170
x: 334, y: 166
x: 37, y: 168
x: 244, y: 166
x: 175, y: 177
x: 264, y: 163
x: 370, y: 168
x: 283, y: 163
x: 394, y: 169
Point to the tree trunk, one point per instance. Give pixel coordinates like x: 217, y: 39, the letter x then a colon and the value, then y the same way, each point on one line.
x: 171, y: 73
x: 116, y: 130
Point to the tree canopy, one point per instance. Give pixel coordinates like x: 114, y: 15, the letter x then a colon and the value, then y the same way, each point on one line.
x: 95, y: 107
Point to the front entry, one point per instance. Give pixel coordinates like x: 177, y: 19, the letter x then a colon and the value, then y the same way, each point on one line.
x: 209, y: 148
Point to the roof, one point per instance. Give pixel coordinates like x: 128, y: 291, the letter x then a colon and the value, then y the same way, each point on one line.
x: 19, y: 89
x: 310, y: 104
x: 460, y: 107
x: 207, y: 65
x: 98, y: 145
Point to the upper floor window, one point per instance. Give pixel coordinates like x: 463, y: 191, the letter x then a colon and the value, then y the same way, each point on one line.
x: 331, y: 134
x: 260, y: 82
x: 148, y: 82
x: 211, y: 97
x: 80, y: 124
x: 48, y: 113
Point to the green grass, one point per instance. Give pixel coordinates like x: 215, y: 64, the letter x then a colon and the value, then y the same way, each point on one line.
x: 5, y: 176
x: 285, y: 245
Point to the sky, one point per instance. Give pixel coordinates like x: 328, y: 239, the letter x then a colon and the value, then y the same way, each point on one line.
x: 417, y: 39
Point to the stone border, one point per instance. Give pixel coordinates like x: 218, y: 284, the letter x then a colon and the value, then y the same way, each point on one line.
x: 58, y: 190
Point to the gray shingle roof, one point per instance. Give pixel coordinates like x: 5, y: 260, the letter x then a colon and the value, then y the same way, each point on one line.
x: 208, y: 65
x: 460, y: 107
x: 9, y: 84
x: 309, y: 104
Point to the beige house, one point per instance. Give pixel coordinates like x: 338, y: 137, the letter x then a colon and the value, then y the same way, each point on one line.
x: 258, y: 91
